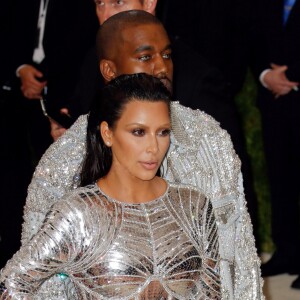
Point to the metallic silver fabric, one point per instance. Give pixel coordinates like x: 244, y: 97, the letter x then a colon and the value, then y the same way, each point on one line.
x: 163, y: 249
x: 201, y: 154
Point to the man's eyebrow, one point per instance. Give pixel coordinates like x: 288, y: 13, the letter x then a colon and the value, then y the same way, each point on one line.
x: 143, y: 48
x: 148, y: 48
x: 168, y: 47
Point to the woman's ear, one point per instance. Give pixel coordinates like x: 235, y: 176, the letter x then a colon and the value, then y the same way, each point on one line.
x: 107, y: 69
x: 106, y: 133
x: 149, y: 6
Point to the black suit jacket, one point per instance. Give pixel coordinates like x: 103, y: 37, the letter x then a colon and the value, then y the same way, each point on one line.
x: 7, y: 25
x: 217, y: 29
x: 196, y: 83
x: 277, y: 43
x: 70, y: 31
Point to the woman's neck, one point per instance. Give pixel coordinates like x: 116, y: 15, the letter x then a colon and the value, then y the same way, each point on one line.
x: 132, y: 190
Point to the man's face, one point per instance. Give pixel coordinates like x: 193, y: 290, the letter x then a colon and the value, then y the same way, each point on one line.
x: 108, y: 8
x: 144, y: 49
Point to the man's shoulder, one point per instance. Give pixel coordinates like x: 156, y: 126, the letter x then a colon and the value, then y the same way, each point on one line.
x: 186, y: 115
x: 185, y: 188
x: 80, y: 124
x: 201, y: 152
x: 61, y: 161
x: 72, y: 139
x: 75, y: 134
x: 191, y: 126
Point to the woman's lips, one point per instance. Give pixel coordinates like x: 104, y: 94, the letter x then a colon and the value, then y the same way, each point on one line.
x: 151, y: 165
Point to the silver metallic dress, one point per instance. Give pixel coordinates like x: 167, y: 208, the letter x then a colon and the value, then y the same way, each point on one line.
x: 201, y: 154
x: 163, y: 249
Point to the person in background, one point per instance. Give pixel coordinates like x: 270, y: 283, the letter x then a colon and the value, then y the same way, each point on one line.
x: 51, y: 56
x: 38, y: 42
x: 277, y: 65
x: 15, y: 158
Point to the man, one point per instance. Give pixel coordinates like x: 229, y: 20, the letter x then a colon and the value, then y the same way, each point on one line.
x: 14, y: 154
x: 24, y: 128
x: 90, y: 81
x: 196, y: 83
x: 201, y: 152
x: 278, y: 64
x: 50, y: 58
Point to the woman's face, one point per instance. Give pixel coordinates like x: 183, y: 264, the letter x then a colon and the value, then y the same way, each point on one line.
x: 139, y: 139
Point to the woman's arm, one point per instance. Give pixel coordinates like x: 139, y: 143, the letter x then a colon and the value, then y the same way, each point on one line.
x: 63, y: 239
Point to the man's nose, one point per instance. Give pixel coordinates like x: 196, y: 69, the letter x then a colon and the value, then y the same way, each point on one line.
x: 104, y: 15
x: 160, y: 67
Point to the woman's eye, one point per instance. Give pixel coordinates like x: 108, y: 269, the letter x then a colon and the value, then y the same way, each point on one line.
x: 138, y: 132
x: 165, y: 132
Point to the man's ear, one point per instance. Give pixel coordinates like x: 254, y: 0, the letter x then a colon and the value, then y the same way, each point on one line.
x: 106, y: 133
x: 107, y: 69
x: 149, y: 6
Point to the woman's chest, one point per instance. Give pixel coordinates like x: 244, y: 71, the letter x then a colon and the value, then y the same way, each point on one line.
x: 151, y: 254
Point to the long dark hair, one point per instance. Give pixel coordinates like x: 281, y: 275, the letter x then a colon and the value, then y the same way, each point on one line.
x: 108, y: 106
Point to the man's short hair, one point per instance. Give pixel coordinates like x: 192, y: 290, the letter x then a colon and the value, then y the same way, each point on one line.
x: 111, y: 29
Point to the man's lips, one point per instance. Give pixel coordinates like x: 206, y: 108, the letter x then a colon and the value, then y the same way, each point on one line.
x: 167, y: 83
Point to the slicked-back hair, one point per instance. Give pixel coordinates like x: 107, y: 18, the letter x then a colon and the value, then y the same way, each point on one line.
x: 109, y: 32
x: 108, y: 106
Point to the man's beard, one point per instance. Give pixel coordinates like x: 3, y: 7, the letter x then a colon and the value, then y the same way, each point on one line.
x: 167, y: 83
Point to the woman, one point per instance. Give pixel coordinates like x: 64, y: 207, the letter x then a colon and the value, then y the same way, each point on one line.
x: 127, y: 234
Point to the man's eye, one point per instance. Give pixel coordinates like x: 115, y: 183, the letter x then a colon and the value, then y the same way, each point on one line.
x: 138, y: 132
x: 144, y: 57
x: 165, y: 132
x: 118, y: 3
x: 167, y: 55
x: 99, y: 2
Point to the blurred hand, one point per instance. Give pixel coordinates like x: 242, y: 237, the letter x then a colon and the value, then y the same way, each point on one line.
x: 31, y: 87
x: 64, y: 111
x: 56, y: 129
x: 277, y: 81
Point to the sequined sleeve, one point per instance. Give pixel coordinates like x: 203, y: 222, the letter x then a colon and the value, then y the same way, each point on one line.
x: 55, y: 175
x: 202, y: 155
x: 74, y: 230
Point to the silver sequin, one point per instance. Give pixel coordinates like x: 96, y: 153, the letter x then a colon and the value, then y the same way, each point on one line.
x: 201, y: 154
x: 106, y: 249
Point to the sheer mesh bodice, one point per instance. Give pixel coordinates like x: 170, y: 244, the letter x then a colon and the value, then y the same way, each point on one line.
x: 163, y: 249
